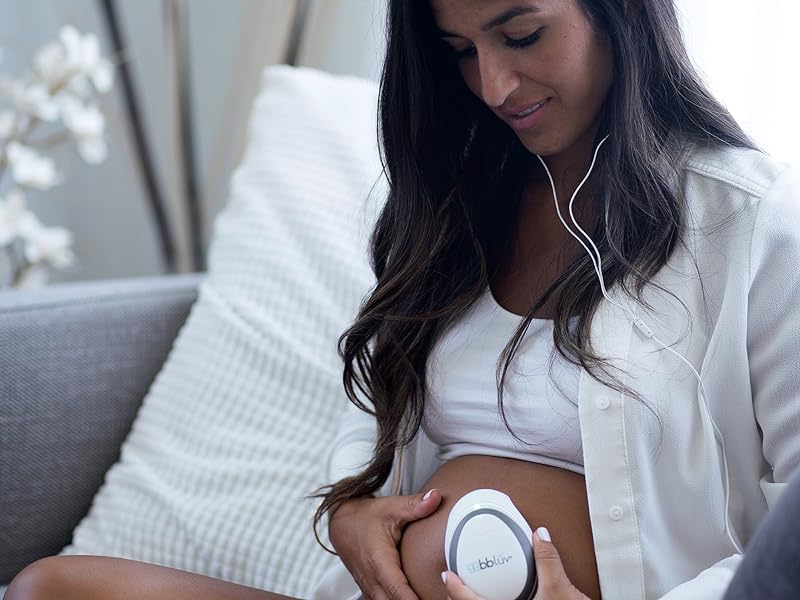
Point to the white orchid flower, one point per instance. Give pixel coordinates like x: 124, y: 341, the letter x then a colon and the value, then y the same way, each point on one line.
x: 42, y: 246
x: 50, y: 65
x: 31, y: 99
x: 73, y: 61
x: 87, y: 124
x: 64, y: 77
x: 8, y: 121
x: 82, y: 56
x: 30, y: 169
x: 14, y: 216
x: 49, y: 245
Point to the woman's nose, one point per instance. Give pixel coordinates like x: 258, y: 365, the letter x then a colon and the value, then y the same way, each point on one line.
x: 498, y: 80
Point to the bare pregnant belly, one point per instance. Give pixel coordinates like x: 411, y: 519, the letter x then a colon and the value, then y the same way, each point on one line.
x: 545, y: 495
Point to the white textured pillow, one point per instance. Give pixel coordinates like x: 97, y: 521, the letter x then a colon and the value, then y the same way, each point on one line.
x: 235, y: 429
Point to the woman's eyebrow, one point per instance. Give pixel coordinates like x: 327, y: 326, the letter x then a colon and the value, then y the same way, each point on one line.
x: 498, y: 20
x: 508, y: 15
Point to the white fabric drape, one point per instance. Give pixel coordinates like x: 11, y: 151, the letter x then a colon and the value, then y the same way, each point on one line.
x: 748, y: 54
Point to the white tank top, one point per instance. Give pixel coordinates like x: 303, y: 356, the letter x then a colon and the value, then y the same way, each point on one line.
x: 461, y: 412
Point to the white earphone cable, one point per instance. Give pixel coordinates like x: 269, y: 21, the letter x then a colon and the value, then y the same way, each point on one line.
x: 646, y: 331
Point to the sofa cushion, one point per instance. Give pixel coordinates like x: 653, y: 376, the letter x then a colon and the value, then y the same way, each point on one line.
x: 75, y: 362
x: 233, y: 433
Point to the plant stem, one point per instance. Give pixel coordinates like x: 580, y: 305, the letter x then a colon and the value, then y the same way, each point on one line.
x: 17, y: 278
x: 7, y: 283
x: 18, y: 266
x: 15, y: 269
x: 53, y: 139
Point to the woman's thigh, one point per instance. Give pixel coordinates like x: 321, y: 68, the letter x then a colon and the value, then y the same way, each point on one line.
x: 100, y: 577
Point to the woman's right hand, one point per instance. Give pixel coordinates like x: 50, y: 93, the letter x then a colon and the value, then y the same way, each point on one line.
x: 365, y: 533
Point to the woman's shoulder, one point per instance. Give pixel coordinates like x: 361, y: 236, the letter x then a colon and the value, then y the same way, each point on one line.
x: 744, y: 188
x: 729, y: 168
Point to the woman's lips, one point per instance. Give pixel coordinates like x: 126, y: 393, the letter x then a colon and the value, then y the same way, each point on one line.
x: 528, y: 121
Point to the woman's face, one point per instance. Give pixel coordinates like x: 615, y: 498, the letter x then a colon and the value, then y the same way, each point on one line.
x: 513, y: 54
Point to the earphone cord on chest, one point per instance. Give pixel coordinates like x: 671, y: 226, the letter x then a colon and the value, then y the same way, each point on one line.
x: 643, y: 328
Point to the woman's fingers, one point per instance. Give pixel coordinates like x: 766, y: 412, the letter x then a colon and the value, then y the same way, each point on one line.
x: 408, y: 509
x: 554, y: 584
x: 553, y: 581
x: 389, y: 576
x: 365, y: 532
x: 549, y: 568
x: 391, y: 581
x: 456, y: 590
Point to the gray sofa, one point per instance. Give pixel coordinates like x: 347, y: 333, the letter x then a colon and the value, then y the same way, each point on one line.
x: 75, y: 362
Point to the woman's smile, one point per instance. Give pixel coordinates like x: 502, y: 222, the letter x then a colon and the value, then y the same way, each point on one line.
x: 549, y: 50
x: 529, y: 119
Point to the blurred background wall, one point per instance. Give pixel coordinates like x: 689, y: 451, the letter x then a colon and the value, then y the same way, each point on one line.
x: 747, y: 56
x: 230, y: 42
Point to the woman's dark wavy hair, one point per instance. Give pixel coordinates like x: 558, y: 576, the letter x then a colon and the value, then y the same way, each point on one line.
x: 456, y: 173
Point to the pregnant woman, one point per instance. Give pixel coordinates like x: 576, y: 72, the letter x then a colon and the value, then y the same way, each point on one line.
x: 587, y: 298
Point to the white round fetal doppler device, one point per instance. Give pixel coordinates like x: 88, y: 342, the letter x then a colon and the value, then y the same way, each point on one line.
x: 488, y: 545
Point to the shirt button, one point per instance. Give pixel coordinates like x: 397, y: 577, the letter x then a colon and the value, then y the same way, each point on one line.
x: 602, y: 402
x: 615, y: 512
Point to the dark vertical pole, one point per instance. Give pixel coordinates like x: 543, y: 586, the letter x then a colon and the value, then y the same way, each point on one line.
x: 296, y: 35
x: 145, y: 161
x: 179, y: 18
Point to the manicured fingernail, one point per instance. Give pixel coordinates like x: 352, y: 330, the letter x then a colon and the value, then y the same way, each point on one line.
x: 444, y: 577
x: 543, y: 534
x: 428, y: 495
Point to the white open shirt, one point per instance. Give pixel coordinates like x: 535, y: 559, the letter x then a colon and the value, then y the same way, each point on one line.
x: 657, y: 514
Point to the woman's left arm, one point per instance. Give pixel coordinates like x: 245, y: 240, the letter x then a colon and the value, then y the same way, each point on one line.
x: 773, y: 348
x: 773, y: 330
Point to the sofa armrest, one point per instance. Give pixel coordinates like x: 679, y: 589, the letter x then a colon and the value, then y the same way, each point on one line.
x: 75, y: 362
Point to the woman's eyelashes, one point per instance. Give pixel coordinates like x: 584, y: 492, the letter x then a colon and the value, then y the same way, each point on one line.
x: 510, y: 42
x: 524, y: 42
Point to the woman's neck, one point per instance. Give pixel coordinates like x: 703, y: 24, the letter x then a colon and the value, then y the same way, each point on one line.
x: 567, y: 169
x: 537, y: 207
